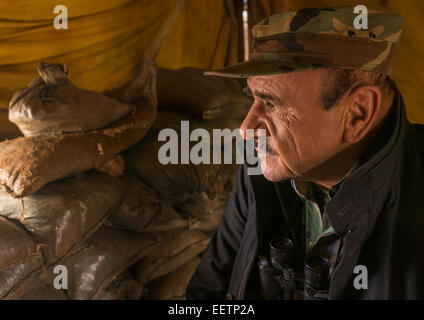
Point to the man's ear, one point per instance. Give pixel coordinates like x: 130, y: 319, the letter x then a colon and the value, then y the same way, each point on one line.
x: 361, y: 115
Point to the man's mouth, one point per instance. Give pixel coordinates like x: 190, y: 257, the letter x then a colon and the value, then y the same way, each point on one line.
x: 268, y: 149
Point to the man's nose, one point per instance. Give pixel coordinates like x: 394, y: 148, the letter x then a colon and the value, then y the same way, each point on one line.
x: 254, y: 120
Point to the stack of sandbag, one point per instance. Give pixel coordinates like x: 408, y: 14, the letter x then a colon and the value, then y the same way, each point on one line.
x: 67, y: 201
x: 197, y: 192
x: 183, y: 203
x: 63, y: 224
x: 53, y: 206
x: 61, y: 137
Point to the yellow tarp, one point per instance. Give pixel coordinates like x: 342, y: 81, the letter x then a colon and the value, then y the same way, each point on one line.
x: 408, y: 69
x: 204, y: 36
x: 105, y: 39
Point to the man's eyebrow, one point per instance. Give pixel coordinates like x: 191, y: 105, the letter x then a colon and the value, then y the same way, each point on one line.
x: 265, y: 96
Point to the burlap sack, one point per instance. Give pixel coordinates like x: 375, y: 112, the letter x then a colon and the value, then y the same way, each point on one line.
x: 52, y: 104
x: 45, y: 292
x: 141, y: 210
x: 64, y: 212
x: 173, y: 285
x: 175, y: 182
x: 94, y: 265
x: 19, y: 255
x: 115, y: 167
x: 204, y: 213
x: 188, y: 90
x: 26, y: 164
x: 197, y: 192
x: 175, y: 248
x: 108, y: 253
x: 124, y: 287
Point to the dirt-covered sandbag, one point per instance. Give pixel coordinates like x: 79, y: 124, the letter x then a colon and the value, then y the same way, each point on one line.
x: 188, y: 90
x: 52, y: 104
x: 173, y: 285
x: 142, y: 210
x: 197, y: 192
x: 115, y: 167
x: 124, y: 287
x: 175, y: 248
x: 177, y: 182
x: 27, y: 164
x: 45, y: 292
x: 109, y: 252
x: 64, y: 212
x: 19, y: 255
x: 202, y: 211
x: 95, y: 264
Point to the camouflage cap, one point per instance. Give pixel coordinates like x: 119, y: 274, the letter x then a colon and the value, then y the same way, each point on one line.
x: 320, y: 37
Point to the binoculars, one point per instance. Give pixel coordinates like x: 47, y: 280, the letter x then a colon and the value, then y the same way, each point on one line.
x: 279, y: 280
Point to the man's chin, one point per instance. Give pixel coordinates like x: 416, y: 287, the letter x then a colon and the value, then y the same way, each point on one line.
x: 275, y: 172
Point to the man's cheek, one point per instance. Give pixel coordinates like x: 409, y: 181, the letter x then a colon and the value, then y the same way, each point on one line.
x: 286, y: 145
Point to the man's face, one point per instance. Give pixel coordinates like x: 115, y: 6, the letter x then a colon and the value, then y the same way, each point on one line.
x: 301, y: 134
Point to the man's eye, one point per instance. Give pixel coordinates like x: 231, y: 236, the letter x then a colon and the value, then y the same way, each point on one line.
x: 269, y: 105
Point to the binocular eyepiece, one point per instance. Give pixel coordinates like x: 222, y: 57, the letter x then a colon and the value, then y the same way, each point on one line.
x: 281, y: 252
x: 316, y: 271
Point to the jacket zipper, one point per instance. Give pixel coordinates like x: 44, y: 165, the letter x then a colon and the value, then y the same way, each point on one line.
x: 243, y: 281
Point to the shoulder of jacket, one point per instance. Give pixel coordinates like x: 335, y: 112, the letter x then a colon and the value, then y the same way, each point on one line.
x: 416, y: 137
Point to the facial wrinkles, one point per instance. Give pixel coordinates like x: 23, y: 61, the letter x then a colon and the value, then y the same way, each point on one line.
x: 285, y: 137
x: 280, y: 121
x: 300, y: 119
x: 268, y: 87
x: 298, y: 124
x: 294, y: 131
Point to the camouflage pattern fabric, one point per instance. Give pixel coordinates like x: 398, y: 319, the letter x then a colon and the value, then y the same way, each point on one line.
x: 320, y: 37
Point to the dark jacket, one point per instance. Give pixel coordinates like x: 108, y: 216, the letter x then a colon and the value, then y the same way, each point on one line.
x: 377, y: 210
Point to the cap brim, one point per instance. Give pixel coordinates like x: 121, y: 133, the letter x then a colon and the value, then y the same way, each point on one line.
x: 257, y: 68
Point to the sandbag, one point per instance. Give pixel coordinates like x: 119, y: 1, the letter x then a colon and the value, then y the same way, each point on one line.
x: 197, y: 192
x: 124, y: 287
x: 175, y: 248
x: 95, y: 264
x: 188, y: 90
x: 114, y: 167
x: 45, y: 291
x: 204, y: 213
x: 27, y: 164
x: 19, y: 255
x: 64, y: 212
x: 142, y: 211
x: 108, y: 253
x: 173, y: 285
x: 52, y: 104
x: 176, y: 182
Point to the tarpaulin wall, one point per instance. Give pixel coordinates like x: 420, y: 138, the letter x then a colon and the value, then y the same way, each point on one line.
x: 105, y: 39
x: 408, y: 69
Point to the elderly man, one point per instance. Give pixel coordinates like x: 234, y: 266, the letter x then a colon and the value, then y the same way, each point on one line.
x: 343, y: 174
